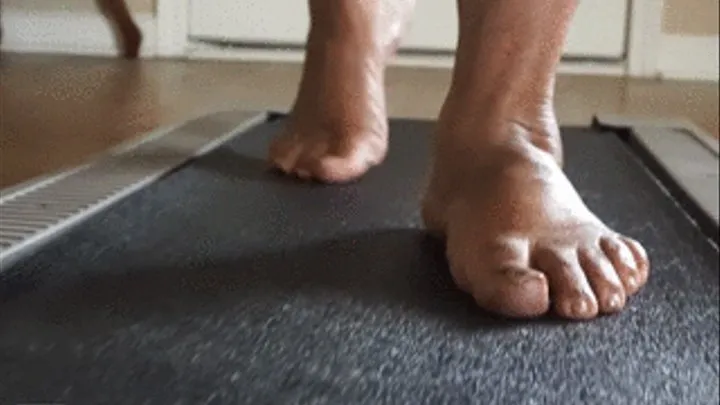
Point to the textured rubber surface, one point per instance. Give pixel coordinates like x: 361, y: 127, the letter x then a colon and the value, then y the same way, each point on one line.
x: 224, y: 284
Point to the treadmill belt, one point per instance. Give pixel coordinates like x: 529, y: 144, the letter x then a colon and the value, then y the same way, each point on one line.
x: 223, y: 283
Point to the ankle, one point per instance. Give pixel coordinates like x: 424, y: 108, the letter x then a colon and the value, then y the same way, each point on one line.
x: 543, y: 135
x: 482, y: 139
x: 347, y: 52
x: 370, y: 28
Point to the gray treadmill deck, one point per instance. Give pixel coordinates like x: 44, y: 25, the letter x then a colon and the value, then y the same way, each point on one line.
x: 223, y: 283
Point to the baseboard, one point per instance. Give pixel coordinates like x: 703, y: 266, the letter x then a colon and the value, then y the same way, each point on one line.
x: 88, y: 33
x: 202, y: 51
x: 689, y: 57
x: 66, y: 32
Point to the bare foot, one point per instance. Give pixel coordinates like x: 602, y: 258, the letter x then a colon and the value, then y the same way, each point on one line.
x: 519, y: 237
x: 338, y: 128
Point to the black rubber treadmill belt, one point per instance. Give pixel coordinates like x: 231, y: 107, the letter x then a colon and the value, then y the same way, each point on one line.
x: 224, y: 284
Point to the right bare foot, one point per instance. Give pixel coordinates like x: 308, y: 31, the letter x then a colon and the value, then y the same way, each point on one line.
x: 338, y: 128
x: 518, y: 236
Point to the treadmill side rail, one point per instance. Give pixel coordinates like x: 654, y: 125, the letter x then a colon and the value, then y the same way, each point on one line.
x: 685, y: 155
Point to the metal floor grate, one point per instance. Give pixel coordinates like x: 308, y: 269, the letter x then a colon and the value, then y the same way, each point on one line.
x: 33, y: 213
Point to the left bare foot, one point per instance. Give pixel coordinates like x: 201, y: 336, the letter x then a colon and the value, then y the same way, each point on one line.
x: 338, y: 128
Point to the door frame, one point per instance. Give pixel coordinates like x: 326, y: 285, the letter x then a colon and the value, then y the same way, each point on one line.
x: 644, y: 37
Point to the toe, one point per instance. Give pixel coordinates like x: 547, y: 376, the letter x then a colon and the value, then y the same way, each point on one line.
x: 603, y: 279
x: 516, y: 292
x: 284, y: 153
x: 335, y: 169
x: 571, y: 293
x: 642, y: 263
x: 327, y: 157
x: 307, y: 160
x: 302, y: 173
x: 346, y: 166
x: 497, y: 276
x: 623, y: 259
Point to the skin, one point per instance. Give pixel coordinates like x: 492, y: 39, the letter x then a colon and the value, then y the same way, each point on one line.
x: 519, y: 238
x: 119, y: 16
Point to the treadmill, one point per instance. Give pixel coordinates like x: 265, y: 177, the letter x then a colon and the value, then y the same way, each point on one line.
x: 178, y: 270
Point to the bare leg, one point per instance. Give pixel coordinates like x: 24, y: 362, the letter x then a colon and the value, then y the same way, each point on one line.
x: 119, y: 15
x: 519, y: 238
x: 338, y: 125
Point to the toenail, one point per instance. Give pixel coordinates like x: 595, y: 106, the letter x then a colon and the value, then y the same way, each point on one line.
x: 520, y: 276
x: 632, y: 282
x: 614, y: 302
x: 285, y: 168
x: 580, y: 307
x: 627, y: 258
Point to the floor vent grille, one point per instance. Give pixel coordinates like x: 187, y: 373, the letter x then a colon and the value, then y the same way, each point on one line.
x: 30, y: 215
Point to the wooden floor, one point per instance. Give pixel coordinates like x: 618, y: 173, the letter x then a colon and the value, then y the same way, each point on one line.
x: 57, y: 111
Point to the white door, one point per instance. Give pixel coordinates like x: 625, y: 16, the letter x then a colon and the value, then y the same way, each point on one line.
x: 598, y: 29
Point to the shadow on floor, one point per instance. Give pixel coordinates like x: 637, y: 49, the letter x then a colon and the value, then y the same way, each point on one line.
x: 395, y: 270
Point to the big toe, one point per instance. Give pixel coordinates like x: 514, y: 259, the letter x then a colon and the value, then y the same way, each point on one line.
x: 344, y: 163
x: 499, y: 279
x: 340, y: 169
x: 517, y: 292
